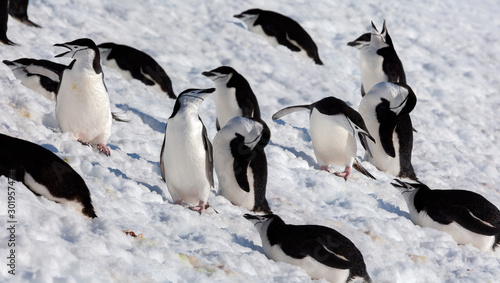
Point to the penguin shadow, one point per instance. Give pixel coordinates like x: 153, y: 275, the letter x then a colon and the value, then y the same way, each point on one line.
x: 152, y: 122
x: 246, y: 243
x: 238, y: 24
x: 299, y: 154
x: 390, y: 207
x: 152, y: 188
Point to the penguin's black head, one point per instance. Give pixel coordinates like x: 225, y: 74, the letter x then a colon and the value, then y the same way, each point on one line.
x: 258, y: 219
x: 406, y: 187
x: 247, y: 13
x: 82, y: 49
x: 223, y: 72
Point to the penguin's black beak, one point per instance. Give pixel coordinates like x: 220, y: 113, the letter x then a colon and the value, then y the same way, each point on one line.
x: 62, y: 45
x: 251, y: 217
x: 208, y: 74
x: 239, y: 16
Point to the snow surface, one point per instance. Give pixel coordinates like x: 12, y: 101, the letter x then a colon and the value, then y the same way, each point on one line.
x: 450, y: 51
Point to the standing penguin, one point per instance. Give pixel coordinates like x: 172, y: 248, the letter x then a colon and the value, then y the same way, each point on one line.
x: 44, y: 173
x: 133, y: 63
x: 280, y: 29
x: 82, y: 106
x: 385, y: 110
x: 321, y: 251
x: 467, y: 216
x: 379, y: 61
x: 233, y: 97
x: 241, y: 164
x: 186, y: 155
x: 334, y: 127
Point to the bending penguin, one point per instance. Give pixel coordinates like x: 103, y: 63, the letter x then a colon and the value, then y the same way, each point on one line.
x: 44, y: 173
x: 186, y: 155
x: 321, y: 251
x: 233, y: 95
x: 379, y: 61
x: 240, y: 162
x: 133, y: 63
x: 82, y: 106
x: 280, y: 29
x: 467, y: 216
x: 385, y: 110
x: 334, y: 127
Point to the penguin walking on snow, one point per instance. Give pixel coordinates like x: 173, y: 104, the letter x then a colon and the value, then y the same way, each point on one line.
x: 82, y: 106
x: 133, y: 63
x: 379, y: 61
x: 334, y: 127
x: 186, y: 155
x: 44, y: 173
x: 467, y: 216
x: 386, y: 111
x: 280, y: 29
x: 240, y: 162
x: 233, y: 95
x: 321, y: 251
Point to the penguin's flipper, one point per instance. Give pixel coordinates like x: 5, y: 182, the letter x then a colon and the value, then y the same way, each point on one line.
x: 120, y: 117
x: 162, y: 166
x: 209, y: 159
x: 290, y: 109
x: 326, y: 252
x: 388, y: 122
x: 281, y: 37
x: 217, y: 126
x: 465, y: 218
x: 242, y: 155
x: 356, y: 165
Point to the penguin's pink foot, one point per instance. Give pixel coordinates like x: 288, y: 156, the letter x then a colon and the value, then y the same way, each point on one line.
x: 178, y: 202
x: 324, y: 168
x: 200, y: 207
x: 345, y: 174
x: 104, y: 149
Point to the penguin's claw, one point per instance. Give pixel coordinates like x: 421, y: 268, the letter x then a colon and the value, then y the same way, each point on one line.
x: 200, y: 207
x: 104, y: 149
x: 345, y: 174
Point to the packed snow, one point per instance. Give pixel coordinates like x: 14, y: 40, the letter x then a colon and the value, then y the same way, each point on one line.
x: 450, y: 51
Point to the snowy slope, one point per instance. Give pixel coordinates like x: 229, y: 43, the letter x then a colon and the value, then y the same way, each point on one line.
x: 450, y: 51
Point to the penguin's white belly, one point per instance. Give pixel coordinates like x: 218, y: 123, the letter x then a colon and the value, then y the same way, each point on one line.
x: 312, y: 267
x: 332, y: 144
x: 380, y: 158
x: 43, y: 191
x: 460, y: 234
x: 112, y: 64
x: 228, y: 186
x: 258, y: 30
x: 226, y: 105
x: 371, y: 68
x: 184, y: 160
x: 83, y: 107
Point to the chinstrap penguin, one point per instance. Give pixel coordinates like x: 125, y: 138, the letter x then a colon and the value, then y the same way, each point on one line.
x: 4, y: 18
x: 44, y: 173
x: 321, y: 251
x: 233, y: 95
x: 82, y: 106
x: 186, y: 156
x: 467, y: 216
x: 240, y: 162
x: 334, y: 127
x: 18, y: 9
x: 379, y: 61
x: 385, y: 110
x: 133, y: 63
x: 280, y: 29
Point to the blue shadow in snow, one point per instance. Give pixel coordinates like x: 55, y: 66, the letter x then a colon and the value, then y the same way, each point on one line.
x: 299, y: 154
x: 50, y: 147
x: 246, y: 243
x: 391, y: 208
x: 146, y: 119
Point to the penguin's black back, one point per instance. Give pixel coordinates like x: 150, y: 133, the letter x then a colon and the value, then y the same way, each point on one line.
x: 392, y: 65
x: 244, y: 96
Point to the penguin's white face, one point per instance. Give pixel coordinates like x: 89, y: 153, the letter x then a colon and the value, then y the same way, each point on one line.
x: 261, y: 222
x: 77, y: 51
x: 194, y: 96
x: 220, y: 78
x: 248, y: 18
x: 248, y: 128
x: 408, y: 190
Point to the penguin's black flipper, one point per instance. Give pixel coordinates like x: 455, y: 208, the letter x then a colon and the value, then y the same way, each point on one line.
x: 356, y: 165
x: 388, y: 121
x: 291, y: 109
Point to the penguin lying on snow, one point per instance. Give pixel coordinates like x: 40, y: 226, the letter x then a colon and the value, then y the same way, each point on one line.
x: 44, y: 173
x: 334, y: 127
x: 280, y: 29
x: 233, y: 95
x: 44, y: 77
x: 186, y: 155
x: 379, y: 61
x: 467, y: 216
x: 385, y: 110
x: 321, y: 251
x: 133, y: 63
x: 241, y: 164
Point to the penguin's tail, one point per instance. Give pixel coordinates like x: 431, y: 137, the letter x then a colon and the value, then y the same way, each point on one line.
x: 290, y: 109
x: 356, y: 165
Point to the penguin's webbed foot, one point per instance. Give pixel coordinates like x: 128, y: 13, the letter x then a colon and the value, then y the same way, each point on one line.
x: 345, y: 174
x: 104, y: 149
x: 200, y: 207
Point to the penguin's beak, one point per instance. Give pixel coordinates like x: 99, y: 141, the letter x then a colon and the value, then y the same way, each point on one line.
x: 205, y: 93
x: 65, y: 46
x: 239, y: 16
x: 251, y: 217
x: 209, y: 75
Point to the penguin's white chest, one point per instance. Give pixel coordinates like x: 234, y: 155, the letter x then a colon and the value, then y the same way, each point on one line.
x: 184, y: 159
x: 226, y: 105
x: 228, y: 186
x: 112, y: 64
x: 83, y: 106
x: 332, y: 144
x: 379, y: 157
x: 312, y: 267
x: 371, y: 68
x: 257, y: 29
